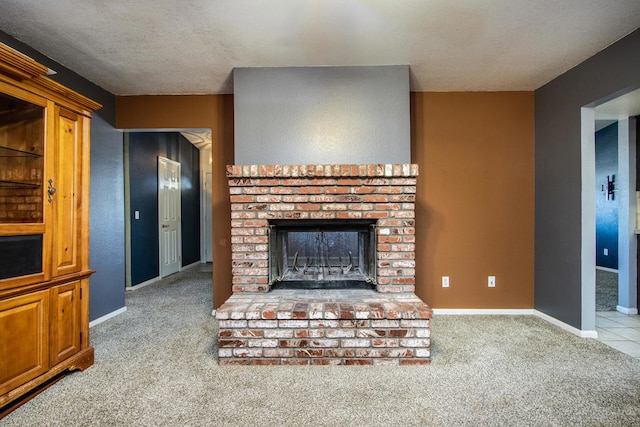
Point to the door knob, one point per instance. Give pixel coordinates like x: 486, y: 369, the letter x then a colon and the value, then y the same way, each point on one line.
x: 165, y: 225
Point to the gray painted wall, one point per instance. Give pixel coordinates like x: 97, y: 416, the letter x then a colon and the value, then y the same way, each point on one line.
x: 558, y: 171
x: 107, y: 219
x: 322, y: 115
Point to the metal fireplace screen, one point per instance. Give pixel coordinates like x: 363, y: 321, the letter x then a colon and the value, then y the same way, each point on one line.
x: 322, y: 255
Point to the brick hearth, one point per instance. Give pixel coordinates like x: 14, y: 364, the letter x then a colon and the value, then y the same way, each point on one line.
x: 324, y: 327
x: 262, y: 326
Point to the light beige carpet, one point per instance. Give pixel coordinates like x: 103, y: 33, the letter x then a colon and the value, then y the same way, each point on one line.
x: 155, y: 366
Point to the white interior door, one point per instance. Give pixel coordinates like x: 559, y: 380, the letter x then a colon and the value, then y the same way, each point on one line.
x: 208, y: 221
x: 169, y: 216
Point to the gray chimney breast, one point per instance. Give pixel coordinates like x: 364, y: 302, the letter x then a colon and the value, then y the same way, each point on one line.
x: 322, y: 115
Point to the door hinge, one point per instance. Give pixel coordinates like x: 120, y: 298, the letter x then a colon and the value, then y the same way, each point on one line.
x: 80, y: 293
x: 80, y: 336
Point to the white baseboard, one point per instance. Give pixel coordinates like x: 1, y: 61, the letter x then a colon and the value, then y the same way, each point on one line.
x: 143, y: 284
x: 610, y: 270
x: 107, y: 317
x: 516, y: 312
x: 472, y: 311
x: 627, y: 310
x: 565, y: 326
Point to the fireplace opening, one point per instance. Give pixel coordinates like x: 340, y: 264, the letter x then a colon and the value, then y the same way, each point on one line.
x: 331, y: 254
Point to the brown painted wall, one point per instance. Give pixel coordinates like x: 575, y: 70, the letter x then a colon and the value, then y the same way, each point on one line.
x: 195, y: 111
x: 475, y: 197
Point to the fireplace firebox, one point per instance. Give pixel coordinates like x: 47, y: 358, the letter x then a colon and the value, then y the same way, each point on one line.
x: 322, y: 254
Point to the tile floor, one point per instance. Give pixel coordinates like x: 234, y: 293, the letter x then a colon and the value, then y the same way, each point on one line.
x: 620, y: 331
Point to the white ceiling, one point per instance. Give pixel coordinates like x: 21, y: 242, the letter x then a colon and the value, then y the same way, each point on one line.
x: 191, y: 46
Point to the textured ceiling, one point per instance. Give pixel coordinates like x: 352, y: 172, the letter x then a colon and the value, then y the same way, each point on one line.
x: 191, y: 46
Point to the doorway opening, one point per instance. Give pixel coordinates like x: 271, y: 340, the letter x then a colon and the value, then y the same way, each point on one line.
x: 622, y: 109
x: 144, y: 232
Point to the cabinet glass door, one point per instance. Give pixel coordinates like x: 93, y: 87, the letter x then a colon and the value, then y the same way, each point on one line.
x: 22, y: 186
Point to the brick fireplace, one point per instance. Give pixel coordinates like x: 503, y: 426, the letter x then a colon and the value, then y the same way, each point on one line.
x: 383, y: 322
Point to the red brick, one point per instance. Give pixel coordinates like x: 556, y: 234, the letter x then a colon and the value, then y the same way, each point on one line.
x: 266, y: 182
x: 246, y: 333
x: 308, y: 206
x: 324, y: 323
x: 309, y: 333
x: 264, y: 361
x: 355, y: 342
x: 370, y: 352
x: 293, y: 323
x: 384, y: 342
x: 350, y: 182
x: 277, y: 352
x: 349, y: 215
x: 415, y: 362
x: 340, y: 333
x: 340, y: 352
x: 399, y: 333
x: 247, y: 352
x: 263, y: 343
x: 232, y: 343
x: 355, y: 323
x: 262, y: 324
x: 242, y: 199
x: 358, y: 362
x: 371, y: 333
x: 309, y: 190
x: 283, y: 190
x: 324, y: 343
x: 375, y: 215
x: 306, y: 352
x: 293, y: 343
x: 278, y: 333
x: 415, y: 342
x: 336, y: 190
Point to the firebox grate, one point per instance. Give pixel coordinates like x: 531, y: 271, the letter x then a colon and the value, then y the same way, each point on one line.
x: 325, y: 255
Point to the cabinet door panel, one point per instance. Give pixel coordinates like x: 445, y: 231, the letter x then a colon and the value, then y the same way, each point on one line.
x: 65, y: 321
x: 66, y: 200
x: 24, y: 324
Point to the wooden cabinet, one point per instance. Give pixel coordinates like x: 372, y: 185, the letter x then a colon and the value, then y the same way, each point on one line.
x: 24, y: 326
x: 44, y: 229
x: 64, y: 318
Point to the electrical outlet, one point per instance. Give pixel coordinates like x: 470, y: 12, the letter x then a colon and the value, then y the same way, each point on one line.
x: 606, y: 252
x: 492, y: 281
x: 445, y: 281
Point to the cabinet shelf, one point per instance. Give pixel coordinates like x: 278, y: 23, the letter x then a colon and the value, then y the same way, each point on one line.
x: 13, y: 152
x: 17, y: 184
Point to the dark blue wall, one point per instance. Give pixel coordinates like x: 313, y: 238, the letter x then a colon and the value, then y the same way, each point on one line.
x: 107, y: 219
x: 107, y: 188
x: 606, y: 209
x: 144, y: 149
x: 558, y: 177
